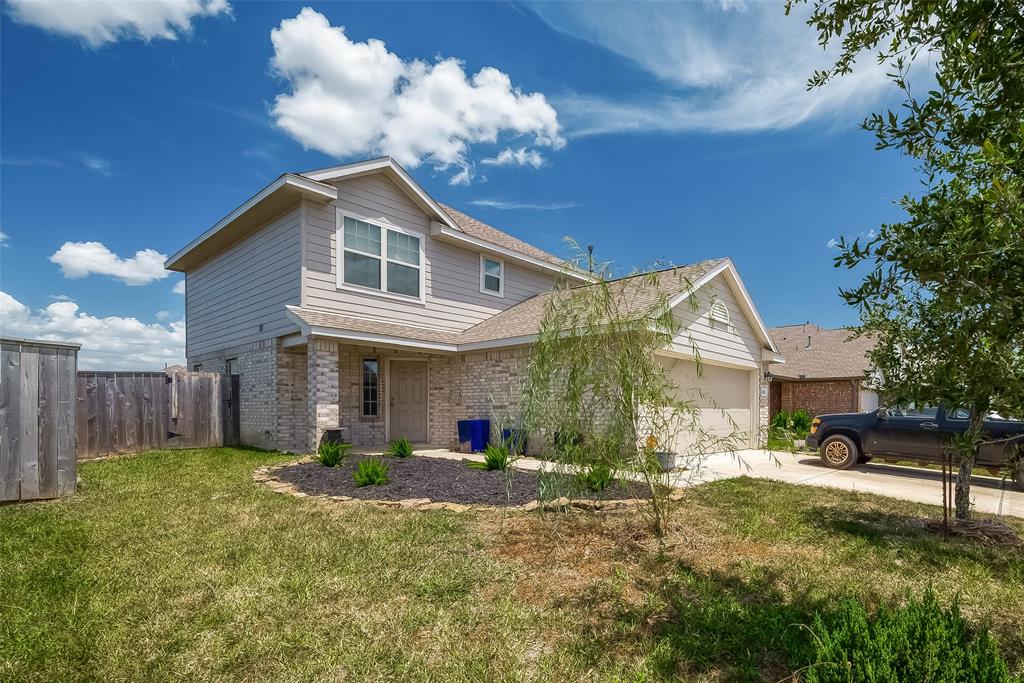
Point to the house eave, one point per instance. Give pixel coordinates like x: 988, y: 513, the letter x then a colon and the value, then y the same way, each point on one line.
x: 276, y: 197
x: 446, y: 234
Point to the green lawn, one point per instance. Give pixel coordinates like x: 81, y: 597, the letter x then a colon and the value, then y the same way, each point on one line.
x: 176, y: 565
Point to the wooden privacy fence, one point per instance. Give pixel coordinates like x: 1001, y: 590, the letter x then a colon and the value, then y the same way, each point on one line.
x: 131, y: 412
x: 37, y: 419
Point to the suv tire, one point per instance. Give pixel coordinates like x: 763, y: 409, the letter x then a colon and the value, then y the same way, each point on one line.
x: 839, y: 452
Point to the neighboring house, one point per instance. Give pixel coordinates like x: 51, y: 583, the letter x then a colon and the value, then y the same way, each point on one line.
x: 824, y: 372
x: 349, y: 297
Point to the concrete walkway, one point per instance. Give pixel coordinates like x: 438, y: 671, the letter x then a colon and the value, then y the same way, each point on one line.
x: 989, y: 495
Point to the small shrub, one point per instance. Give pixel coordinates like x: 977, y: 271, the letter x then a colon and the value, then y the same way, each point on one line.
x: 596, y: 477
x: 331, y: 453
x: 801, y: 424
x: 921, y: 641
x: 400, y: 448
x: 371, y: 472
x: 782, y: 422
x: 495, y: 458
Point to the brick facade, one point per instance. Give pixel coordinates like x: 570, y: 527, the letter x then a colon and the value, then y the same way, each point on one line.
x: 820, y: 397
x: 290, y: 395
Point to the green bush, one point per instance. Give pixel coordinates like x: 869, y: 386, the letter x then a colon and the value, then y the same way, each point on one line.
x: 371, y: 472
x: 596, y: 477
x: 495, y: 458
x: 400, y: 448
x: 801, y: 423
x: 782, y: 422
x: 331, y: 453
x: 921, y: 641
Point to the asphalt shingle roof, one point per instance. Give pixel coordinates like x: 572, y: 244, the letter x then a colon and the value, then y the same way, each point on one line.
x: 813, y: 352
x: 523, y: 319
x: 488, y: 233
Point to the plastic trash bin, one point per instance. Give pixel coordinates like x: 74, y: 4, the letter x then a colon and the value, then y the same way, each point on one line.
x: 515, y: 438
x: 474, y: 435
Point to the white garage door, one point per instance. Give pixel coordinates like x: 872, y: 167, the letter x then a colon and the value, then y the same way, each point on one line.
x: 724, y: 397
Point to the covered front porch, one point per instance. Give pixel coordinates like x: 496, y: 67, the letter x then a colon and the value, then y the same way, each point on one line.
x: 379, y: 392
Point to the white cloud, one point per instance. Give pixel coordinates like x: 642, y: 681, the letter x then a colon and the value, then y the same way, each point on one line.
x: 832, y: 243
x: 61, y: 297
x: 164, y: 316
x: 718, y: 67
x: 512, y: 206
x: 111, y: 343
x: 4, y: 238
x: 98, y: 164
x: 351, y: 98
x: 179, y: 287
x: 105, y: 21
x: 516, y: 157
x: 81, y: 259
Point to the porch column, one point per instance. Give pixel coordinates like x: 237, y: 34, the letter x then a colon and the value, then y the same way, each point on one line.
x: 322, y: 369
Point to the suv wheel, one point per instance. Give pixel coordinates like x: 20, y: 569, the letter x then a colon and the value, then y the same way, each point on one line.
x: 839, y: 452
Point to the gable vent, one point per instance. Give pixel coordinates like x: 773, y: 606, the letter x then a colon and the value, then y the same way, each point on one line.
x: 719, y: 312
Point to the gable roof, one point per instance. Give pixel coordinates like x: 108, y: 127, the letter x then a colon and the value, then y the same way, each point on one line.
x: 521, y: 323
x: 447, y: 223
x: 814, y: 352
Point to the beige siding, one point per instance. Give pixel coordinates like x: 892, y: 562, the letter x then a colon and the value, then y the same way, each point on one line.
x: 734, y: 344
x: 228, y: 297
x: 452, y: 274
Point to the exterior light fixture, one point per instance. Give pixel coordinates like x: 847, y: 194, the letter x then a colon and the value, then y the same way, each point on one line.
x: 768, y: 376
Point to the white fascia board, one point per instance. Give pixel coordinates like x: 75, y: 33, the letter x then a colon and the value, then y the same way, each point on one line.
x: 682, y: 352
x: 380, y: 339
x: 307, y: 186
x: 746, y: 302
x: 383, y: 163
x: 507, y: 253
x: 772, y: 356
x: 498, y: 343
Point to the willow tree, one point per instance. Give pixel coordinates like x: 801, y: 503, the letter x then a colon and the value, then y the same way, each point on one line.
x: 597, y: 391
x: 944, y: 291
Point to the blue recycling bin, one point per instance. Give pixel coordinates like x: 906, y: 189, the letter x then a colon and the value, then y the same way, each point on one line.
x: 474, y: 435
x: 515, y: 439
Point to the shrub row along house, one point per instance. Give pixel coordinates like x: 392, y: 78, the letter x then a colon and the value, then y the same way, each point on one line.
x: 348, y: 297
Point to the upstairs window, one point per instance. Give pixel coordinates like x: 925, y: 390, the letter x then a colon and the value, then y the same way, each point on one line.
x: 381, y: 258
x: 492, y: 276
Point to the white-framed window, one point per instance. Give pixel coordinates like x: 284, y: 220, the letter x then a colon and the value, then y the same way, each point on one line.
x: 371, y: 388
x: 492, y: 275
x: 377, y: 256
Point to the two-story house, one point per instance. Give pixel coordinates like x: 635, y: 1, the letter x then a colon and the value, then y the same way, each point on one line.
x: 349, y: 297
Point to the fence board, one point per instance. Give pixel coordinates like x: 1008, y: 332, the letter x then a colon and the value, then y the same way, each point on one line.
x: 48, y: 423
x: 66, y: 415
x: 28, y: 424
x: 10, y: 415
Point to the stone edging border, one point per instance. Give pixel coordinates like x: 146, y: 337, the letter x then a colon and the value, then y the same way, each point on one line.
x: 266, y: 476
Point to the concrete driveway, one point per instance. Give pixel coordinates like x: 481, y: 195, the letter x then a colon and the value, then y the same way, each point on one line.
x: 989, y: 494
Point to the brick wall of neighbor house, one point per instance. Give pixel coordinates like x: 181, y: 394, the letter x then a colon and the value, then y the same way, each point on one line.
x: 821, y: 397
x: 257, y: 368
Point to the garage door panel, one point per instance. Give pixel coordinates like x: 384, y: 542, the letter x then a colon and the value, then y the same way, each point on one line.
x: 723, y: 398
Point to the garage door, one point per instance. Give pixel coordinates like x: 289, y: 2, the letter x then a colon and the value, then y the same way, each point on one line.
x: 723, y: 397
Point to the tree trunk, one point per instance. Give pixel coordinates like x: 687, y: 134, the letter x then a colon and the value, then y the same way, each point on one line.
x: 968, y: 453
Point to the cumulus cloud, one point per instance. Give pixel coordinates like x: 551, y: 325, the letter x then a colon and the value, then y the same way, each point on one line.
x: 4, y: 238
x: 97, y: 22
x: 715, y: 67
x: 81, y: 259
x: 347, y: 98
x: 516, y: 157
x: 179, y: 287
x: 111, y: 343
x: 527, y: 206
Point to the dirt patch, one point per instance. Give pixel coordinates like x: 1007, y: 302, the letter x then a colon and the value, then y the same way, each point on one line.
x: 436, y: 479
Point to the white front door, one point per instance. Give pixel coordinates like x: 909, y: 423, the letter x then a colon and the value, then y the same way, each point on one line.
x: 407, y: 403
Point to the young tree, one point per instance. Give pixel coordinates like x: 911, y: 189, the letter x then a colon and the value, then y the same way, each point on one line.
x: 598, y: 391
x: 944, y: 296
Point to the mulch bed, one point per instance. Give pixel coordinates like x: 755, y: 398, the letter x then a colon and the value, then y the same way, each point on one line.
x: 438, y: 479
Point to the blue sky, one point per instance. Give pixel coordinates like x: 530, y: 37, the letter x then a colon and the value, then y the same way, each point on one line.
x: 653, y: 132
